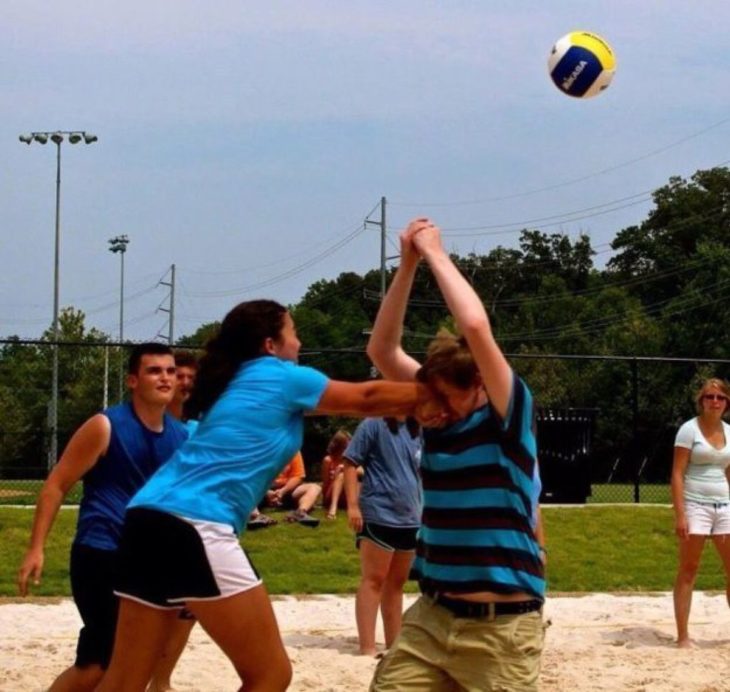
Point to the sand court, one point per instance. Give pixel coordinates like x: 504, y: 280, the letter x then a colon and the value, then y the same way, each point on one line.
x: 594, y: 642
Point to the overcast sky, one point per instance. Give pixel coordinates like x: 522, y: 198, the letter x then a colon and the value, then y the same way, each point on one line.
x: 246, y: 142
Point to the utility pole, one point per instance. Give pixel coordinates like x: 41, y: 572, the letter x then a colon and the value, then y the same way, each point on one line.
x: 171, y: 309
x: 383, y: 257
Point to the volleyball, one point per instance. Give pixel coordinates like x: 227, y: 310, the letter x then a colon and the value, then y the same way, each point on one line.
x: 581, y: 64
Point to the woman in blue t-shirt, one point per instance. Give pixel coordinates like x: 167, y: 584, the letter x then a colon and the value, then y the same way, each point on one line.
x: 385, y: 517
x: 180, y: 545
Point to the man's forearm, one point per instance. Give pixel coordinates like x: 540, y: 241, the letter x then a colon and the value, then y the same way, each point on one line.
x: 49, y: 502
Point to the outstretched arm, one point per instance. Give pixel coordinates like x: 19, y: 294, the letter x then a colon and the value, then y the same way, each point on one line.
x: 376, y: 398
x: 470, y: 315
x: 384, y: 347
x: 83, y: 450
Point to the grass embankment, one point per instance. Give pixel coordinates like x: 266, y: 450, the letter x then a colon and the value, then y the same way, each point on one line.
x: 590, y: 549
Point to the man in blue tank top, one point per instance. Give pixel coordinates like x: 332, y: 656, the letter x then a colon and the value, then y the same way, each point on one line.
x: 113, y: 453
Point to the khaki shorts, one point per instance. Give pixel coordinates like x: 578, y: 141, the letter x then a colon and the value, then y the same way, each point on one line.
x: 440, y: 652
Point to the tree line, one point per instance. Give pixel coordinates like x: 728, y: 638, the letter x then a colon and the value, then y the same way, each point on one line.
x: 663, y: 293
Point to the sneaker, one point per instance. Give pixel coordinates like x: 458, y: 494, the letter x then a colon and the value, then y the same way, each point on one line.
x: 301, y: 517
x: 261, y: 521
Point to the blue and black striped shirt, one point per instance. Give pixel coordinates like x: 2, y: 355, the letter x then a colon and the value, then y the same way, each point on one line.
x: 478, y: 494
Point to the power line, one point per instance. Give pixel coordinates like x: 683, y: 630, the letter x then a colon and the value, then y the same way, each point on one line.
x: 570, y: 181
x: 284, y: 275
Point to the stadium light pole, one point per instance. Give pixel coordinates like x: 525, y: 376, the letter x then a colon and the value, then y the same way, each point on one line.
x: 119, y: 244
x: 57, y: 137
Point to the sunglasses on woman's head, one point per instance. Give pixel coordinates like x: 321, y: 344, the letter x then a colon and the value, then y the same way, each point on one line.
x: 714, y: 397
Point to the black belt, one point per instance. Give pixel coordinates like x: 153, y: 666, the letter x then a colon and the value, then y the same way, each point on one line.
x: 474, y: 609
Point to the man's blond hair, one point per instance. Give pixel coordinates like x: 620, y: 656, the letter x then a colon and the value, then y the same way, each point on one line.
x: 448, y: 357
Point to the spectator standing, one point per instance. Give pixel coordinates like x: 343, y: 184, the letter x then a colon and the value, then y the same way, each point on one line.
x: 700, y: 495
x: 385, y: 517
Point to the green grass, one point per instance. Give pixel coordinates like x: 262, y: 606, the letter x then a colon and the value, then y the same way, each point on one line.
x: 591, y: 548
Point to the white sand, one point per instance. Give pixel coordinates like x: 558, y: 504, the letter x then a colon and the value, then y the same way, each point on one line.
x: 596, y: 642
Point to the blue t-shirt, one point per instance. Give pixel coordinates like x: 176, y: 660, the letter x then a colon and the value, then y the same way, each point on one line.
x: 391, y: 487
x: 135, y: 452
x: 479, y: 494
x: 244, y: 440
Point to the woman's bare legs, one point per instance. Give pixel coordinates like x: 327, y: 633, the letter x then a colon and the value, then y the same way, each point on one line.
x: 722, y: 545
x: 336, y: 489
x: 391, y: 602
x: 690, y: 551
x: 244, y: 626
x: 162, y: 675
x: 142, y: 632
x: 384, y: 572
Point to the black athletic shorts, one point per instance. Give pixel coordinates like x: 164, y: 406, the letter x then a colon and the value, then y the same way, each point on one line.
x: 391, y: 538
x: 93, y: 575
x: 167, y: 561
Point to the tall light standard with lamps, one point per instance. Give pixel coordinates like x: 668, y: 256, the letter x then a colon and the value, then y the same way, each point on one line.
x: 119, y: 244
x: 57, y: 137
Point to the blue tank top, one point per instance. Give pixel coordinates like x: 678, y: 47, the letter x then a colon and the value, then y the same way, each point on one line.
x: 135, y: 452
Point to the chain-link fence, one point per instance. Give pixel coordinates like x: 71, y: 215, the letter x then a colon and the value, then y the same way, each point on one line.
x: 606, y: 425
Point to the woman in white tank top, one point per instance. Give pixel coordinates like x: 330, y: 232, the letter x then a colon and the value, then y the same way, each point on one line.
x: 701, y: 494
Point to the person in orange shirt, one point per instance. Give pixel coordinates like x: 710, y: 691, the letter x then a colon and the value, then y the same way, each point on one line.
x: 290, y: 491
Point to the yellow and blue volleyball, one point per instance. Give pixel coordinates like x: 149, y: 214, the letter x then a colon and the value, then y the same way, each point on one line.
x: 581, y: 64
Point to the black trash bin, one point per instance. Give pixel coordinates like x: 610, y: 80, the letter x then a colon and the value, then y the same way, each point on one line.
x: 564, y: 438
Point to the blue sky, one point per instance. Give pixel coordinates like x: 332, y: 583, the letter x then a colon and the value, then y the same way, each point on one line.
x: 244, y: 142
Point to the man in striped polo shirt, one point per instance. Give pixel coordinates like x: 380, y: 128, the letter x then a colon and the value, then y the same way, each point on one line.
x: 478, y: 624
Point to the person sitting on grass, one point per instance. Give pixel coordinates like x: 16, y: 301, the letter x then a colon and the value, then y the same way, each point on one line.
x: 289, y: 491
x: 333, y: 465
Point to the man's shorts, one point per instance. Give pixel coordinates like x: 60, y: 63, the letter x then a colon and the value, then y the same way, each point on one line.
x: 437, y: 650
x: 706, y: 519
x: 167, y: 561
x: 93, y: 575
x: 391, y: 538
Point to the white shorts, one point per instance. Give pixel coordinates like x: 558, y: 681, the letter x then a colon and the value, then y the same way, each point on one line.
x: 167, y: 561
x: 707, y: 519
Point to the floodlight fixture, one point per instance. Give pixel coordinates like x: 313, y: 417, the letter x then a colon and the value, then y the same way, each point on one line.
x: 57, y: 137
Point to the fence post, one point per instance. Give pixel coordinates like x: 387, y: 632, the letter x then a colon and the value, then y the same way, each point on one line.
x: 635, y: 407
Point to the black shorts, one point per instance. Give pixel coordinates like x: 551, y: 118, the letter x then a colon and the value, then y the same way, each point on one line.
x: 390, y: 538
x: 167, y: 561
x: 93, y: 575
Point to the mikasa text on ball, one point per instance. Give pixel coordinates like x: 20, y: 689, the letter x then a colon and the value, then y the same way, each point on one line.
x: 581, y: 64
